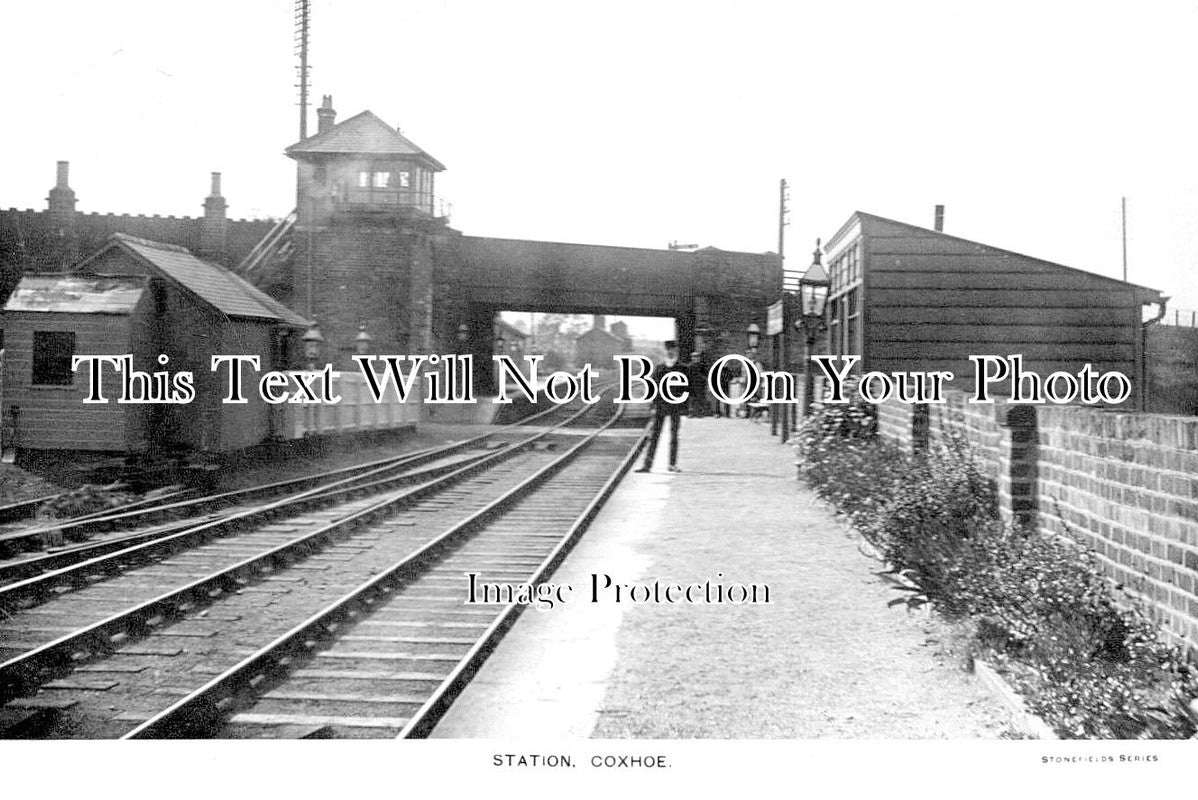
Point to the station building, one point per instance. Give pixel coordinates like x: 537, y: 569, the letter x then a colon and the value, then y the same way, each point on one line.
x: 906, y: 298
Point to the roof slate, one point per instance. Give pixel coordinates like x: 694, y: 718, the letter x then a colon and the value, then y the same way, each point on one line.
x: 364, y: 133
x: 217, y: 286
x: 77, y: 293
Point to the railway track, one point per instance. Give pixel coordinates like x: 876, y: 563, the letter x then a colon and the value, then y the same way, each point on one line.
x: 142, y: 639
x: 140, y: 523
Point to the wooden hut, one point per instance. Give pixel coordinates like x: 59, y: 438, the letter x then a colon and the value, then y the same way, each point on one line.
x: 906, y: 298
x: 144, y: 299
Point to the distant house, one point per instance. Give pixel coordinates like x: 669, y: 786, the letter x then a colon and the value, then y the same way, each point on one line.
x: 909, y: 298
x: 514, y: 341
x: 598, y: 346
x: 145, y: 299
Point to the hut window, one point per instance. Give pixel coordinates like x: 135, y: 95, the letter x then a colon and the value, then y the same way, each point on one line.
x: 403, y: 180
x: 381, y: 179
x: 52, y: 352
x: 363, y: 180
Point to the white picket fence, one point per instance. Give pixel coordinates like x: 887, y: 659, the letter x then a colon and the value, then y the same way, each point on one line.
x: 357, y: 411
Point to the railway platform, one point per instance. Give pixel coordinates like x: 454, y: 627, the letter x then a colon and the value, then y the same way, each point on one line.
x: 825, y: 657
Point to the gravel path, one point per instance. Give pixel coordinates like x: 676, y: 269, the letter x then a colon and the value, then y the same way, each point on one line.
x: 826, y: 658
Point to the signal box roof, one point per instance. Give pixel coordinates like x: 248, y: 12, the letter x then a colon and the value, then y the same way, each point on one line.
x: 363, y: 134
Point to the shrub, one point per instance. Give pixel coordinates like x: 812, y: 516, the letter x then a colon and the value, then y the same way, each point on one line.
x: 841, y: 458
x: 1090, y: 662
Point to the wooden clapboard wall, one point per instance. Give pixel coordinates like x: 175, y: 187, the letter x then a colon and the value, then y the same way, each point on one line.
x: 930, y: 300
x: 54, y: 417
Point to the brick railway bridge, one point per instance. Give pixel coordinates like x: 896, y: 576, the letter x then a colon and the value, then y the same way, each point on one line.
x: 369, y: 248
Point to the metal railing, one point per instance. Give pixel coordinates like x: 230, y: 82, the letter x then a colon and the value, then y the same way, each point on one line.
x: 422, y: 202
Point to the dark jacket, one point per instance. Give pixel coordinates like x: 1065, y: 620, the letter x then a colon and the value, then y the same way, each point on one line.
x: 659, y: 374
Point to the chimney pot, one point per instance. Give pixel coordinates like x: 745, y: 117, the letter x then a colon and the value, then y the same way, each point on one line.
x: 325, y: 115
x: 940, y: 218
x: 64, y: 168
x: 215, y: 184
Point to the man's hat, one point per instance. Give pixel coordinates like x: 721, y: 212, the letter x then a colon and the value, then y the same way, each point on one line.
x: 671, y: 344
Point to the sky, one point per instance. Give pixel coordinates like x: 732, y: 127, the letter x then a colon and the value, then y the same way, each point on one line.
x: 641, y: 123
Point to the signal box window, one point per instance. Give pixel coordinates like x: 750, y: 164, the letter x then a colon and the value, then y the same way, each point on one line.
x: 52, y: 352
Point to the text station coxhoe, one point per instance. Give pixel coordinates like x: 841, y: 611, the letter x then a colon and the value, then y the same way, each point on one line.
x: 448, y: 379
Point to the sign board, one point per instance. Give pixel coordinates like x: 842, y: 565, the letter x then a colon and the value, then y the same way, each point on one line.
x: 773, y: 322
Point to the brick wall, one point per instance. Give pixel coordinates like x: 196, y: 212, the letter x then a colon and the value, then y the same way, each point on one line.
x: 29, y: 242
x: 1126, y: 485
x: 896, y: 423
x: 359, y: 276
x: 1122, y: 484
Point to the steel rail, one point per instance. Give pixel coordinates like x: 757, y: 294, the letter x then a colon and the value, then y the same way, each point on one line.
x: 79, y: 526
x: 23, y: 508
x: 60, y: 566
x: 114, y: 554
x: 18, y: 674
x: 206, y: 707
x: 422, y: 722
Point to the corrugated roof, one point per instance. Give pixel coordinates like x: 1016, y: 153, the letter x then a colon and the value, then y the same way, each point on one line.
x: 212, y: 283
x: 77, y: 293
x: 364, y: 133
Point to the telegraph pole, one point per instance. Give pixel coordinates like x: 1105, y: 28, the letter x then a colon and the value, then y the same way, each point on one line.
x: 303, y: 11
x: 782, y: 356
x: 1124, y: 239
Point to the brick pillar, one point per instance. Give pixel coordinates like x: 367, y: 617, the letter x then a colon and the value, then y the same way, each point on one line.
x: 1018, y: 475
x: 920, y: 428
x: 420, y: 296
x: 214, y: 227
x: 61, y: 204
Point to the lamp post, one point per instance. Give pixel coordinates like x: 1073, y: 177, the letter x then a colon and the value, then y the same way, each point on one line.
x: 754, y: 332
x: 813, y: 296
x: 313, y: 342
x: 362, y: 341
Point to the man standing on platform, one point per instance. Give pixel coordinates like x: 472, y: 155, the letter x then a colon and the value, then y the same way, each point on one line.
x: 663, y: 408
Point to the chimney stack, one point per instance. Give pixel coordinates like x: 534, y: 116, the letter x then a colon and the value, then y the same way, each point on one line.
x: 61, y: 204
x: 940, y: 218
x: 214, y: 226
x: 325, y: 115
